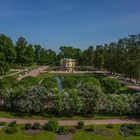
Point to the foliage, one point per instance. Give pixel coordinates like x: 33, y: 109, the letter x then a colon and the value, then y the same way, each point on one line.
x: 11, y: 130
x: 28, y: 126
x: 87, y: 100
x: 49, y: 82
x: 52, y: 125
x: 62, y: 130
x: 13, y: 124
x: 7, y: 53
x: 109, y: 126
x: 70, y: 82
x: 7, y: 83
x: 68, y: 103
x: 91, y: 128
x: 32, y: 99
x: 2, y: 123
x: 92, y: 80
x: 124, y: 131
x: 28, y: 81
x: 121, y: 58
x: 36, y: 125
x: 131, y: 129
x: 119, y: 104
x: 136, y: 103
x: 92, y: 97
x: 110, y: 85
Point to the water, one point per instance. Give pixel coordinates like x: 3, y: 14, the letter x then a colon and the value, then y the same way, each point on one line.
x: 59, y: 82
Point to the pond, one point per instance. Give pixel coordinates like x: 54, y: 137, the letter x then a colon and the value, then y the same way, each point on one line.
x: 59, y: 82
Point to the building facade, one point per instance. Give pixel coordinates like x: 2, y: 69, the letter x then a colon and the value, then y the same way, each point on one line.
x: 67, y: 64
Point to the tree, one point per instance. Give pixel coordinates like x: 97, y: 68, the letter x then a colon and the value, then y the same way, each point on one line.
x: 51, y: 57
x: 21, y: 51
x: 110, y: 85
x: 99, y: 57
x: 75, y: 102
x: 88, y: 56
x: 70, y: 52
x: 68, y: 102
x: 119, y: 104
x: 28, y: 100
x: 7, y: 54
x: 37, y: 53
x: 92, y: 97
x: 136, y: 103
x: 30, y: 55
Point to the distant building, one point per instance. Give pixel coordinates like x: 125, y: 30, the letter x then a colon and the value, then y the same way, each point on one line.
x: 67, y: 64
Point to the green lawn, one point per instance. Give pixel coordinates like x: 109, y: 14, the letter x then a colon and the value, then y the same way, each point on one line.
x: 21, y: 136
x: 79, y: 135
x: 83, y: 135
x: 47, y: 116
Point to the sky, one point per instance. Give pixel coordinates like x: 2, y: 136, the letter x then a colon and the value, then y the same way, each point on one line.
x: 77, y: 23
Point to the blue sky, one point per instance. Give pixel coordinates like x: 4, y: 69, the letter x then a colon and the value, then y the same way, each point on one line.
x: 78, y: 23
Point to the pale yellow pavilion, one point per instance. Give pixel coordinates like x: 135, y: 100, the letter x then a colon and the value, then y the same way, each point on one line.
x: 67, y: 64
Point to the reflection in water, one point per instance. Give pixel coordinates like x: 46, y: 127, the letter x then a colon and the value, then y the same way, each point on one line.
x: 59, y: 82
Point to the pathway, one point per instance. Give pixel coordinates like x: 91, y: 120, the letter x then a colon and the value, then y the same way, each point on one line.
x: 33, y: 73
x: 123, y: 82
x: 12, y: 74
x: 74, y: 122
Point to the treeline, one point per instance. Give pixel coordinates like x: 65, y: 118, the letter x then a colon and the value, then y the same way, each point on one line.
x: 122, y: 57
x: 22, y: 54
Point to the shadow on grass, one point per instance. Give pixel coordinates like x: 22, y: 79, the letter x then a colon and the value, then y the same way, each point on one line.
x: 11, y: 114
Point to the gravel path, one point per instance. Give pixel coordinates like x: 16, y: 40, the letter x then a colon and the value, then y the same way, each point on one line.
x: 74, y: 122
x: 35, y: 72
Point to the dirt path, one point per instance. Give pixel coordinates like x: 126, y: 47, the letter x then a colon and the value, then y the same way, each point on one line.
x: 35, y: 72
x: 74, y: 122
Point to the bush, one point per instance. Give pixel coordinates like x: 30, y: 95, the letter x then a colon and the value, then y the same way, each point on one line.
x: 62, y: 130
x: 52, y: 125
x: 28, y: 81
x: 36, y: 125
x: 28, y: 126
x: 2, y: 123
x: 72, y: 130
x: 109, y: 126
x: 7, y: 82
x: 110, y: 85
x: 124, y: 131
x: 92, y: 80
x: 91, y: 128
x: 70, y: 82
x: 49, y: 82
x: 11, y: 130
x: 80, y: 124
x: 13, y: 124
